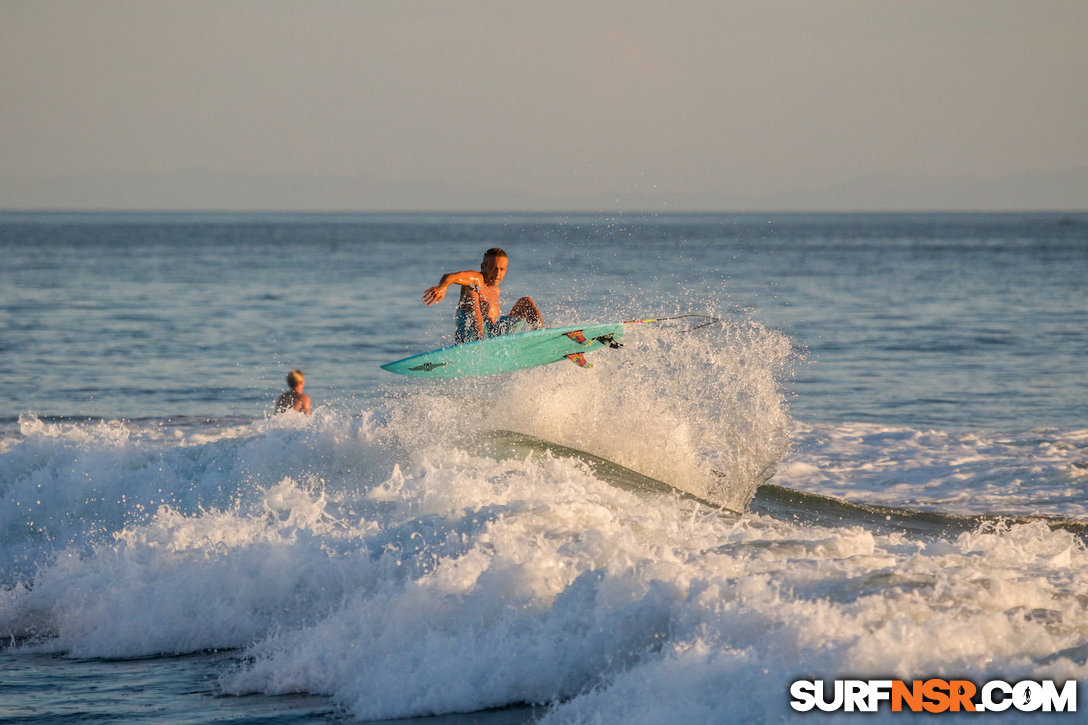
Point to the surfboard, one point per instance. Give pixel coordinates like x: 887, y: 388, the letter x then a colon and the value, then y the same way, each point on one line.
x: 507, y: 353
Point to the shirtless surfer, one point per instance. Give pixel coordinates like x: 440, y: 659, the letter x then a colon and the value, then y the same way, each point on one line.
x: 479, y: 314
x: 294, y: 399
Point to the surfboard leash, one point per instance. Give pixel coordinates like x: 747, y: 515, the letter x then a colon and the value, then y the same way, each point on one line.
x: 709, y: 321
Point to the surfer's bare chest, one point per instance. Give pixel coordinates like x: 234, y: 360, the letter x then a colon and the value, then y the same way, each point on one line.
x: 489, y: 300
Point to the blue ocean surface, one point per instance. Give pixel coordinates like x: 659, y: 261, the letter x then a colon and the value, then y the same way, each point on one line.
x: 874, y: 463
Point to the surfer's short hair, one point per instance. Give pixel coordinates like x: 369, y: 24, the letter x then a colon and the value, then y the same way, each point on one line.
x: 496, y: 252
x: 295, y: 378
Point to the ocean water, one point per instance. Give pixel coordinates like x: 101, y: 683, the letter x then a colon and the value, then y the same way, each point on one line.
x: 873, y: 465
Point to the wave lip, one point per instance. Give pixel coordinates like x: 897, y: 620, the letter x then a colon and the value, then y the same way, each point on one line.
x: 702, y: 411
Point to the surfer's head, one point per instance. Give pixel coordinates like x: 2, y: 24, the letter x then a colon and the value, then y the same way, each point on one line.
x: 295, y: 379
x: 494, y: 265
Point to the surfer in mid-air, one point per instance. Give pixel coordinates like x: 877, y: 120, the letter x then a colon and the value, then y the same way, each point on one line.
x: 479, y: 314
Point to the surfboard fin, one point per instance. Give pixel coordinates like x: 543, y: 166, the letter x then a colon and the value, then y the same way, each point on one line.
x: 579, y: 359
x: 579, y: 337
x: 610, y: 341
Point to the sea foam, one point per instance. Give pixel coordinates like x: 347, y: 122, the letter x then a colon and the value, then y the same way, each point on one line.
x: 373, y: 557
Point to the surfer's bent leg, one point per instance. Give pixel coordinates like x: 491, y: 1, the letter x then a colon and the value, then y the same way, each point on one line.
x: 507, y: 325
x: 526, y: 309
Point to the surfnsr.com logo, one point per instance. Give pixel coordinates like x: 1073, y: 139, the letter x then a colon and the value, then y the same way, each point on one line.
x: 934, y: 695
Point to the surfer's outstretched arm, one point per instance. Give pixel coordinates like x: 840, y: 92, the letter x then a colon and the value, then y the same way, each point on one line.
x: 466, y: 278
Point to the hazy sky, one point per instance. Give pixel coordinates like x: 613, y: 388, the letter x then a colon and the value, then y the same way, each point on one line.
x: 540, y: 104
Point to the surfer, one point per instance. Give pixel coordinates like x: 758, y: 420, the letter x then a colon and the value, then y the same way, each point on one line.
x: 294, y: 399
x: 479, y: 313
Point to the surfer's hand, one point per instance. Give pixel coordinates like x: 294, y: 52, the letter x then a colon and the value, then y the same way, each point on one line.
x: 434, y: 294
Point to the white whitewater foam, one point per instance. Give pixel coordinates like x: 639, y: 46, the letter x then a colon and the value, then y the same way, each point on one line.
x: 376, y: 560
x: 1036, y: 472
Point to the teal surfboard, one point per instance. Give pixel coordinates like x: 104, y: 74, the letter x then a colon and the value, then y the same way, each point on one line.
x: 507, y: 353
